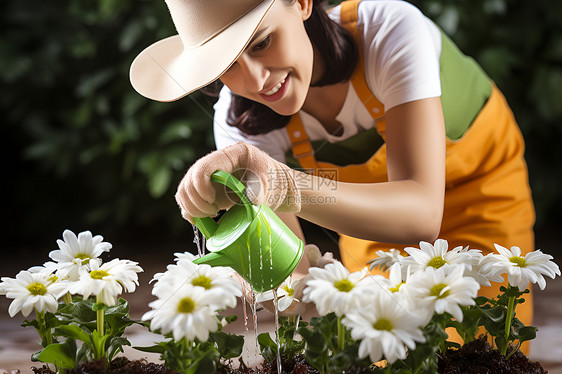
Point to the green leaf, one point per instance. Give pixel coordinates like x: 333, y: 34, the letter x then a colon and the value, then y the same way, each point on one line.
x: 481, y: 300
x: 268, y: 347
x: 158, y: 348
x: 61, y: 354
x: 32, y: 323
x: 79, y: 312
x: 229, y: 345
x: 74, y: 332
x: 230, y: 319
x: 115, y: 346
x: 495, y: 314
x: 521, y: 332
x: 98, y: 306
x: 264, y: 340
x: 35, y: 356
x: 117, y: 318
x: 526, y: 333
x: 85, y: 354
x: 204, y: 364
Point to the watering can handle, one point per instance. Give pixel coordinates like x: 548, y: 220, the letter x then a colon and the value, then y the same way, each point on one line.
x: 206, y: 224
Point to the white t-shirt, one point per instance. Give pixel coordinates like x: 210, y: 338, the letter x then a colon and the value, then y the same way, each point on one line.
x: 401, y: 51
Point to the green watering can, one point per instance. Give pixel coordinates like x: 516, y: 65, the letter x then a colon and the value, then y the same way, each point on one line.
x: 250, y: 239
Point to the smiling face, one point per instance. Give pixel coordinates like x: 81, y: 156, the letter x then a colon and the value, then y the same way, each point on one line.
x: 276, y: 67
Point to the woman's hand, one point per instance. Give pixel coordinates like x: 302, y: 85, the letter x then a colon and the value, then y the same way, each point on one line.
x: 267, y: 182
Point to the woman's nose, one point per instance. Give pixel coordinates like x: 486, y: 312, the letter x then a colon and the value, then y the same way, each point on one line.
x: 255, y: 73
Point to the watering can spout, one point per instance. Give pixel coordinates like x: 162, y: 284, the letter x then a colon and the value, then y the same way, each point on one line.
x: 213, y: 259
x: 206, y: 225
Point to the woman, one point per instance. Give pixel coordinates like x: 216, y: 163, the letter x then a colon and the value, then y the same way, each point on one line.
x: 373, y: 95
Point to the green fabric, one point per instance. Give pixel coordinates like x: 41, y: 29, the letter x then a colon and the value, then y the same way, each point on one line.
x: 465, y: 88
x: 354, y: 150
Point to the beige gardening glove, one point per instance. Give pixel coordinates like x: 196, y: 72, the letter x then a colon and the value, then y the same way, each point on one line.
x: 267, y: 182
x: 292, y: 289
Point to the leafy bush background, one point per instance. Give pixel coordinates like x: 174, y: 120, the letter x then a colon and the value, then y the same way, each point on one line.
x: 82, y: 150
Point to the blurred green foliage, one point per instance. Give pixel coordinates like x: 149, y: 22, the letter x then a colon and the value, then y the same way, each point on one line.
x: 83, y: 150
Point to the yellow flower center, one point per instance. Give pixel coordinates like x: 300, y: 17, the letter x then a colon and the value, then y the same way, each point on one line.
x: 53, y: 278
x: 202, y: 281
x: 344, y: 285
x: 290, y: 291
x: 84, y: 257
x: 383, y: 324
x: 98, y: 274
x: 436, y: 291
x: 436, y: 262
x: 519, y: 261
x: 37, y: 289
x: 396, y: 288
x: 186, y: 305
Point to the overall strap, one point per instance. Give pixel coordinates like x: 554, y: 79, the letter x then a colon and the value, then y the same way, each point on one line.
x: 349, y: 19
x: 301, y: 146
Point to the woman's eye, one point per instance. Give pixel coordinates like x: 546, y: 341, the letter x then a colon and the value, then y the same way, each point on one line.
x: 263, y: 44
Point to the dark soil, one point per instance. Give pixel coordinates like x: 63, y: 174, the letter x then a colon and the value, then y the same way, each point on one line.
x: 296, y: 365
x: 478, y: 357
x: 119, y: 365
x: 293, y: 365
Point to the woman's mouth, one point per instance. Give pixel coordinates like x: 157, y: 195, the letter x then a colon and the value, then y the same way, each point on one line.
x: 277, y: 91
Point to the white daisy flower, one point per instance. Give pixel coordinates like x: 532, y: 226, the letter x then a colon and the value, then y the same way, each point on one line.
x: 386, y: 259
x: 386, y: 327
x: 475, y: 268
x: 75, y: 252
x: 188, y: 312
x: 285, y: 295
x: 185, y: 256
x: 437, y: 255
x: 32, y: 291
x: 216, y: 279
x: 443, y: 289
x: 107, y: 281
x: 51, y: 269
x: 397, y: 277
x: 334, y: 289
x: 520, y: 270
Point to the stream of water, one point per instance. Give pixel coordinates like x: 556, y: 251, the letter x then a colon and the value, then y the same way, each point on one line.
x: 265, y: 245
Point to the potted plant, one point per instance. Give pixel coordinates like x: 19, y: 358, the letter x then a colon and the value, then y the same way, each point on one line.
x: 366, y: 323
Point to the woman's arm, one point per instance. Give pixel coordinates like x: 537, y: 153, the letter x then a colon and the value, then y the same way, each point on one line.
x: 409, y: 207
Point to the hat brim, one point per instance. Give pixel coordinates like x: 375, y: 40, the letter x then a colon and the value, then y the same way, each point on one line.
x: 165, y: 71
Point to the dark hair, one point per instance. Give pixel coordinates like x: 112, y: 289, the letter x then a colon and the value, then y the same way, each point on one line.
x: 338, y: 50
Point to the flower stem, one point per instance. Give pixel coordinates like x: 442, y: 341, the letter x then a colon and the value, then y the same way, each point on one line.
x: 68, y: 298
x: 100, y: 317
x: 508, y: 318
x: 43, y: 330
x: 341, y: 335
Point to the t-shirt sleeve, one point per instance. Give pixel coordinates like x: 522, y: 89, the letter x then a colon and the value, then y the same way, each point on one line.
x: 402, y: 49
x: 274, y: 142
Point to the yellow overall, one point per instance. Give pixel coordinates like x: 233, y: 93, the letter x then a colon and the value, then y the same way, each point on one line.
x: 487, y: 198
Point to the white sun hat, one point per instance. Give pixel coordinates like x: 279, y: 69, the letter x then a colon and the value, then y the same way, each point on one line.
x: 211, y: 36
